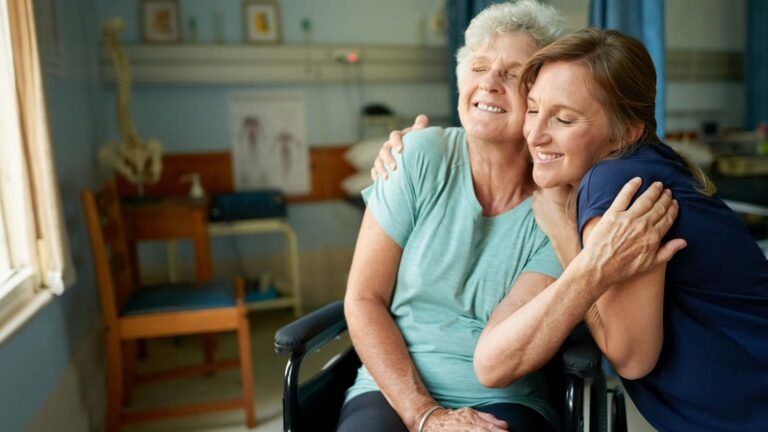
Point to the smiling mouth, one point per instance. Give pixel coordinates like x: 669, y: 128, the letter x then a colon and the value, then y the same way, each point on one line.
x: 489, y: 108
x: 548, y: 157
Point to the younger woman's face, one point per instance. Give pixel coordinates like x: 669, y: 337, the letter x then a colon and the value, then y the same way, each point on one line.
x: 566, y: 128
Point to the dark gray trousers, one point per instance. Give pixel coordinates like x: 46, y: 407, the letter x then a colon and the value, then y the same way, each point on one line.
x: 370, y: 412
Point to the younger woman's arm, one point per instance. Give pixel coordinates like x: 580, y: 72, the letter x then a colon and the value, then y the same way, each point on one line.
x: 627, y: 321
x: 530, y: 324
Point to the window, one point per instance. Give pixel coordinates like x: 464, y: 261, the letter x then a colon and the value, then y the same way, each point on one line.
x: 16, y: 237
x: 32, y: 251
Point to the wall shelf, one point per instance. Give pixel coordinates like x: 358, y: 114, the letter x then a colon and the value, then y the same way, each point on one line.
x: 185, y: 64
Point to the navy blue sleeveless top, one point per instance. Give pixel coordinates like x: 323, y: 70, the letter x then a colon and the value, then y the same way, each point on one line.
x: 712, y: 374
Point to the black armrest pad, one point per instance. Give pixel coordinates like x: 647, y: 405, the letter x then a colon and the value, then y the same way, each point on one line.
x: 311, y: 331
x: 581, y: 357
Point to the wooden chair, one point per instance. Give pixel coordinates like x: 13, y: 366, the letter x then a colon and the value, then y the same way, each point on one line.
x: 131, y: 312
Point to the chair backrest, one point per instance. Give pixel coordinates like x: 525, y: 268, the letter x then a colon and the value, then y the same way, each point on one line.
x: 111, y: 256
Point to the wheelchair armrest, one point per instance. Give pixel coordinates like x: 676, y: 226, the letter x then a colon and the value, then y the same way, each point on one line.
x: 311, y: 331
x: 581, y: 357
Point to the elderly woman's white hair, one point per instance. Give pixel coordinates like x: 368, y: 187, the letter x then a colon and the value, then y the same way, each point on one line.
x: 543, y: 23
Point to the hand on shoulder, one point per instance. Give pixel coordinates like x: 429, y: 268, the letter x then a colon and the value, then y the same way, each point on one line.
x: 395, y: 142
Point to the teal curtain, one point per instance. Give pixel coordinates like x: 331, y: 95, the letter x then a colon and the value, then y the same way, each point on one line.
x: 460, y: 13
x: 643, y: 20
x: 756, y: 63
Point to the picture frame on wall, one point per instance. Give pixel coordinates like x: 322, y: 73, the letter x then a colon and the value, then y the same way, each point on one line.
x: 261, y: 21
x: 160, y: 21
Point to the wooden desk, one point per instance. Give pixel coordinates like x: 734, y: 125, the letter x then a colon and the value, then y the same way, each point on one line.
x: 170, y: 219
x: 168, y: 215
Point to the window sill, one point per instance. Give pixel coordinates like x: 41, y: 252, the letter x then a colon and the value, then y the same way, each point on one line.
x: 20, y: 304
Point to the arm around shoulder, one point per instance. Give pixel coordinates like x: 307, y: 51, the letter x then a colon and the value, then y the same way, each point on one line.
x: 521, y: 335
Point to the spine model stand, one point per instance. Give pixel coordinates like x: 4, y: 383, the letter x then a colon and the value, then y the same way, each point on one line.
x: 138, y: 161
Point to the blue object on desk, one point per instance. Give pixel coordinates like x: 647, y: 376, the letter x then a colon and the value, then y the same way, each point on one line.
x: 180, y: 297
x: 261, y: 204
x: 253, y: 295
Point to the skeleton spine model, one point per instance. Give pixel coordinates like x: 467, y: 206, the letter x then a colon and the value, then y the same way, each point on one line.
x: 138, y: 161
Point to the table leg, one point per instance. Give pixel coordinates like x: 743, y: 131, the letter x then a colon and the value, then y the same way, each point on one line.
x: 173, y: 261
x: 292, y: 261
x: 203, y: 267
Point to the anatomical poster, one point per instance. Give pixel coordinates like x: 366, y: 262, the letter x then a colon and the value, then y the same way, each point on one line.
x: 267, y: 129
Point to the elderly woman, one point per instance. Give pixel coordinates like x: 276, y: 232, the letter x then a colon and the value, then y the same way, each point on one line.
x: 689, y: 337
x: 449, y: 247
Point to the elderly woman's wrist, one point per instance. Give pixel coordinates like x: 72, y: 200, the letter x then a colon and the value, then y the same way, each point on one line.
x: 417, y: 420
x: 422, y: 426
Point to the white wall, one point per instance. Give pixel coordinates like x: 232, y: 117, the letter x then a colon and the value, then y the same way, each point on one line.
x: 690, y: 24
x: 699, y: 26
x: 193, y: 118
x: 333, y: 21
x: 577, y: 11
x: 705, y: 26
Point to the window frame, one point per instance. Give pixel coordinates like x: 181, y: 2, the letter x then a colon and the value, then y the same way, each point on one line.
x: 21, y: 289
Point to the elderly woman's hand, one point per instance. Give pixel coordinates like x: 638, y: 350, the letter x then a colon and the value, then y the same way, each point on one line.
x: 395, y: 142
x: 463, y: 420
x: 627, y: 241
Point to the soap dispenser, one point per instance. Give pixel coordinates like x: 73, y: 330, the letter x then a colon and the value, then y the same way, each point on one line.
x: 196, y: 191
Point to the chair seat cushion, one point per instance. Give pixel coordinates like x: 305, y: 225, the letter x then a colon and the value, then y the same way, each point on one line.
x: 180, y: 297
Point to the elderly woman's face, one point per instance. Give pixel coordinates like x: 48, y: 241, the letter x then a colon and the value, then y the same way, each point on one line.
x: 566, y: 128
x: 490, y: 106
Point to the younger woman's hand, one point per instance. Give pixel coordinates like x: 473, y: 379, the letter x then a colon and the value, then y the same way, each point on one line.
x: 463, y: 420
x: 395, y: 142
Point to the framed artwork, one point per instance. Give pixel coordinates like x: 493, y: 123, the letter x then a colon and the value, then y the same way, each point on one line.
x: 261, y: 21
x: 268, y: 133
x: 160, y: 21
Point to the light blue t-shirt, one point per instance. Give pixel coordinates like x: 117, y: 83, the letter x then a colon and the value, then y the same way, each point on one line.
x: 456, y: 266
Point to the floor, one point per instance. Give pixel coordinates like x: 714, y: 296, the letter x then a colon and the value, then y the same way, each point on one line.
x: 268, y: 372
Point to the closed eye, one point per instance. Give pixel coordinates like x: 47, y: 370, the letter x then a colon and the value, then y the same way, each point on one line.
x: 564, y: 122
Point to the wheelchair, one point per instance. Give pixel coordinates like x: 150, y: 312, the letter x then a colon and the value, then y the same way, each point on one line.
x: 315, y: 404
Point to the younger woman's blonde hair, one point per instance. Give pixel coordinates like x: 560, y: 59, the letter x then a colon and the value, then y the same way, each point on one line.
x: 623, y: 79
